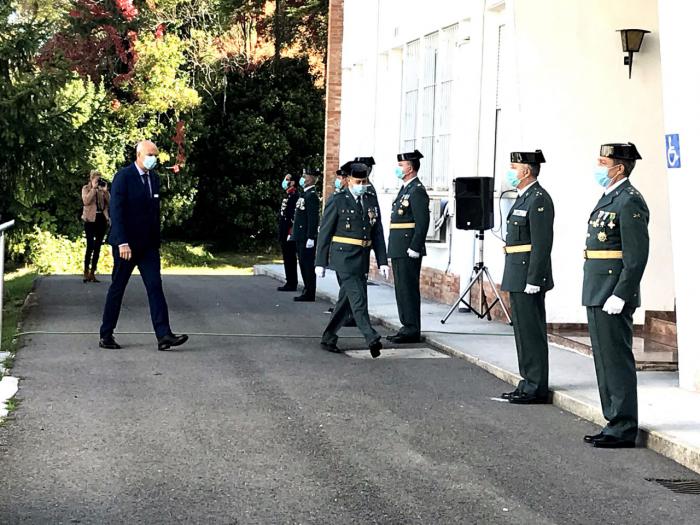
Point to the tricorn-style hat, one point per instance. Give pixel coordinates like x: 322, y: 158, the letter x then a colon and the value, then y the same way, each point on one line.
x: 358, y: 170
x: 367, y: 161
x: 344, y: 170
x: 527, y: 157
x: 620, y: 151
x: 411, y: 155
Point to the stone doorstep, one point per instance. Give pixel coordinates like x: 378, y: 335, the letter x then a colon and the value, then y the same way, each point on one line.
x: 660, y: 442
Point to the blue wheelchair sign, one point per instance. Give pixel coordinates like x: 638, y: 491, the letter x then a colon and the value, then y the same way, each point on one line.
x: 673, y: 151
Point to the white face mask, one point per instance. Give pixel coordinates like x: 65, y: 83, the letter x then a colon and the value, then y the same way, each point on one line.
x: 150, y: 161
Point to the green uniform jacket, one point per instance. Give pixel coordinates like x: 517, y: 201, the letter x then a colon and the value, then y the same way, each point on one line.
x: 619, y: 221
x: 306, y: 217
x: 411, y: 205
x: 343, y: 217
x: 530, y: 221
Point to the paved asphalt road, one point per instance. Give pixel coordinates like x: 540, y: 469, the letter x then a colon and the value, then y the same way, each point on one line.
x: 275, y: 430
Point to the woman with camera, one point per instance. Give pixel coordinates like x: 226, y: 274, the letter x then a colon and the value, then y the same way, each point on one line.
x: 96, y: 218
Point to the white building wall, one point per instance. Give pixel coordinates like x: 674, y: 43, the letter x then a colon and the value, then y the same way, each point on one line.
x: 681, y: 78
x: 563, y: 89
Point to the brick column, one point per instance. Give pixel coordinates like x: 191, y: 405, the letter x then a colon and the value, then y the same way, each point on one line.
x: 334, y: 73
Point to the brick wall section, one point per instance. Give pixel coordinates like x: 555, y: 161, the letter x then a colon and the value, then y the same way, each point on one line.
x: 334, y: 75
x: 435, y: 285
x: 496, y: 311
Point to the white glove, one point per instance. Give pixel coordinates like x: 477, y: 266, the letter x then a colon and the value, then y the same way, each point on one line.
x: 613, y: 305
x: 310, y: 243
x: 384, y: 271
x: 531, y: 289
x: 412, y: 254
x: 320, y: 271
x: 289, y: 237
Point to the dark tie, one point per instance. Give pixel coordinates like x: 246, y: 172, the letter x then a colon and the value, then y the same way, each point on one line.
x: 146, y: 184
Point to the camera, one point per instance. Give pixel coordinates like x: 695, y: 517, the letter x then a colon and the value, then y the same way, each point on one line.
x: 102, y: 183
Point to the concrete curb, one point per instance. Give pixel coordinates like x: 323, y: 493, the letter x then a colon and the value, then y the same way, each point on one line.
x: 659, y: 442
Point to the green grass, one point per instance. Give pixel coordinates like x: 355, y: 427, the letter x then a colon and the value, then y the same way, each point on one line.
x: 185, y: 259
x: 17, y: 285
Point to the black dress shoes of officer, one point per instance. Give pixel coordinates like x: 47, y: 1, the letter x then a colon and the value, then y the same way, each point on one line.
x: 287, y: 288
x: 374, y: 348
x: 590, y: 438
x: 522, y: 398
x: 508, y: 395
x: 304, y: 299
x: 606, y: 441
x: 400, y: 339
x: 109, y: 343
x: 168, y: 341
x: 331, y: 347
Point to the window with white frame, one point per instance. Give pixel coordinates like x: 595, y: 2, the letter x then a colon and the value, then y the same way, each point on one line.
x: 428, y: 66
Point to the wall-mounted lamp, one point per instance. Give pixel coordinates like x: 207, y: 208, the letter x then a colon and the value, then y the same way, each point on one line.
x: 631, y: 43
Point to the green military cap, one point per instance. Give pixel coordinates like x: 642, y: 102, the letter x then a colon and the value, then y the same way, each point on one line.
x: 620, y: 151
x: 358, y: 170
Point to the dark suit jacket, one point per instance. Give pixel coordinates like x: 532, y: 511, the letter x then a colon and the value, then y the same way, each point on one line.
x: 619, y: 221
x: 343, y: 217
x: 135, y: 214
x: 530, y: 221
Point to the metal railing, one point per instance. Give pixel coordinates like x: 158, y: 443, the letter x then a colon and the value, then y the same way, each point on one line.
x: 4, y: 226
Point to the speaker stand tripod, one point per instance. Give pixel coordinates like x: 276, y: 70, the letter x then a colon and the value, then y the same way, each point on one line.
x: 480, y: 271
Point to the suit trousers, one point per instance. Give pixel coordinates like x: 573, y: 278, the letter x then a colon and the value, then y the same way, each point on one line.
x: 289, y: 256
x: 352, y: 303
x: 530, y: 327
x: 148, y: 263
x: 407, y: 289
x: 611, y: 339
x: 307, y: 257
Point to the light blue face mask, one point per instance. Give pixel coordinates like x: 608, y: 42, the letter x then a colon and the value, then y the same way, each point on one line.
x: 285, y: 184
x: 601, y: 176
x: 358, y: 190
x: 399, y: 173
x: 338, y: 184
x: 302, y: 182
x: 512, y: 178
x: 150, y: 162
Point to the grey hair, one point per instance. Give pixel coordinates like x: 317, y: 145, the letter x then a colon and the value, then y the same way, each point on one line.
x: 139, y: 146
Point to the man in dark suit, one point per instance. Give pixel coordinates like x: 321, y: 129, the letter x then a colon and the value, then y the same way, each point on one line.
x: 350, y: 229
x: 527, y: 275
x: 410, y: 219
x: 617, y: 249
x: 286, y: 224
x: 135, y: 240
x: 305, y: 232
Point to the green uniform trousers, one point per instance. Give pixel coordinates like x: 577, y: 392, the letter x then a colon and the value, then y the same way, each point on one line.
x: 352, y: 303
x: 407, y: 289
x: 611, y: 339
x: 530, y: 327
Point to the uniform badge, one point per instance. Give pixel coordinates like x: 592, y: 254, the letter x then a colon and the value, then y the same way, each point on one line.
x: 372, y: 214
x: 602, y: 236
x: 347, y: 224
x: 300, y: 204
x: 611, y: 224
x: 540, y: 209
x: 400, y: 212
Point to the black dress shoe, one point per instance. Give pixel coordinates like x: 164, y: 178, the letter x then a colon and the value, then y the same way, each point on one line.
x: 109, y: 343
x: 607, y: 441
x: 404, y: 339
x: 528, y: 399
x: 287, y: 288
x: 374, y: 348
x: 331, y: 347
x: 168, y: 341
x: 590, y: 438
x: 509, y: 395
x: 304, y: 299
